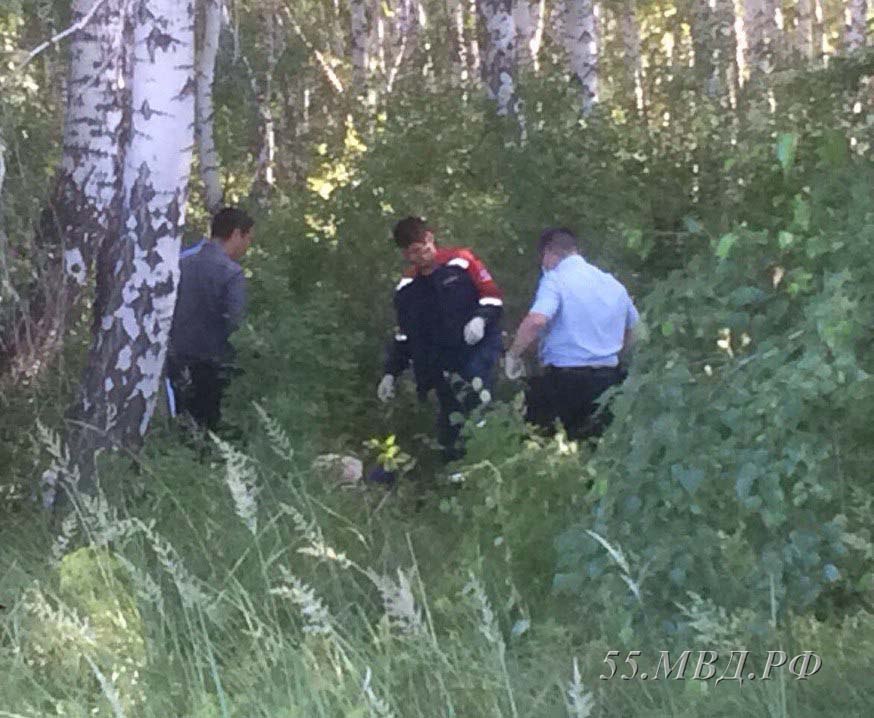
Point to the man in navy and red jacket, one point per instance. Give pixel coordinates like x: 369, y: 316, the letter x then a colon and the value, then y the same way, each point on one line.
x: 448, y: 314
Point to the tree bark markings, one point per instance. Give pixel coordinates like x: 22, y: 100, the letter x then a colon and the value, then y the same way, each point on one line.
x: 139, y: 274
x: 209, y: 158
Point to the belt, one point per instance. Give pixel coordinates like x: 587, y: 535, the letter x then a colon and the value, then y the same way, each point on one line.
x: 582, y: 369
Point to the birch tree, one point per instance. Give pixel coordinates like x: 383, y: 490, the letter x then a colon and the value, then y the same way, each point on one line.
x: 139, y: 272
x: 79, y: 217
x: 473, y: 46
x: 581, y: 41
x: 760, y: 30
x: 856, y: 25
x: 529, y: 17
x: 804, y: 29
x: 715, y: 46
x: 208, y: 155
x: 500, y: 61
x: 359, y: 35
x: 457, y: 45
x: 6, y: 289
x: 630, y: 34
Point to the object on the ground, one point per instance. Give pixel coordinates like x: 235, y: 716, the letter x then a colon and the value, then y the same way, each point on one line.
x: 380, y: 475
x: 341, y: 469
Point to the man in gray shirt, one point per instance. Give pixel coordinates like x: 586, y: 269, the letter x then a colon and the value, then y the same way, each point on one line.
x: 210, y: 305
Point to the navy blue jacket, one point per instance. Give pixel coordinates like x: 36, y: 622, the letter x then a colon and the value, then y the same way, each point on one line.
x: 432, y: 311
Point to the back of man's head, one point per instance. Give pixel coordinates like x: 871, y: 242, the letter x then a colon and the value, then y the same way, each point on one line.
x: 409, y: 231
x: 229, y: 219
x: 559, y: 240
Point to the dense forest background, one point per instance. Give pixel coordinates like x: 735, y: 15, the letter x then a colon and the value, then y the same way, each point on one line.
x: 714, y: 155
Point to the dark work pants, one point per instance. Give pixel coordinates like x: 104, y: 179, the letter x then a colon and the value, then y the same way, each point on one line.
x: 460, y: 398
x: 197, y: 390
x: 571, y: 394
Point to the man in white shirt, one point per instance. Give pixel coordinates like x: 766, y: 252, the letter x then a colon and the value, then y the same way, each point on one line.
x: 585, y: 318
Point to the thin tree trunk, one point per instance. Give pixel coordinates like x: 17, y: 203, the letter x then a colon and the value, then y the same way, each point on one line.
x: 856, y: 27
x: 500, y: 63
x: 474, y: 53
x: 358, y: 16
x: 209, y: 159
x: 139, y: 273
x: 405, y: 34
x: 379, y: 39
x: 77, y: 220
x: 804, y: 29
x: 760, y: 28
x: 458, y: 47
x: 704, y: 46
x: 265, y: 180
x: 581, y: 41
x: 819, y: 48
x: 524, y: 21
x: 6, y: 288
x: 422, y: 29
x: 339, y: 36
x: 725, y: 58
x: 630, y: 32
x: 538, y: 17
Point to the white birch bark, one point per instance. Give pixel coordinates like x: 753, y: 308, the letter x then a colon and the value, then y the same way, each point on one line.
x: 458, y: 47
x: 760, y: 28
x: 581, y: 41
x: 137, y: 287
x: 474, y: 52
x: 6, y: 289
x: 379, y: 39
x: 405, y: 30
x: 500, y: 61
x: 538, y: 18
x: 819, y: 39
x: 804, y: 29
x: 90, y: 170
x: 359, y: 34
x: 266, y: 175
x: 208, y: 154
x: 78, y: 218
x: 856, y: 25
x: 524, y: 21
x: 630, y: 32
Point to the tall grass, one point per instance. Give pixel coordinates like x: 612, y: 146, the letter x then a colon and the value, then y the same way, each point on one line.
x: 247, y: 587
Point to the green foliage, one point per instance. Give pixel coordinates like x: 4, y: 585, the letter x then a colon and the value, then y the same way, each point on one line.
x: 763, y: 359
x: 728, y: 506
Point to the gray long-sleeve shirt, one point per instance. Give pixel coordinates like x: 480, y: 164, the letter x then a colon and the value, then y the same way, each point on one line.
x: 210, y: 305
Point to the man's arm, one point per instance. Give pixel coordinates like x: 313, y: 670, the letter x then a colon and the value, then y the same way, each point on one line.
x: 491, y: 298
x: 236, y: 301
x: 529, y: 331
x: 398, y: 355
x: 629, y: 337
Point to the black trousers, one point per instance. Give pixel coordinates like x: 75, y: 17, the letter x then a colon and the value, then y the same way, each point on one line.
x: 197, y: 388
x: 571, y: 394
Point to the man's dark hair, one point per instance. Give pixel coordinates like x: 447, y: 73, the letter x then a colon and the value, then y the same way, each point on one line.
x: 228, y: 219
x: 558, y: 239
x: 409, y: 231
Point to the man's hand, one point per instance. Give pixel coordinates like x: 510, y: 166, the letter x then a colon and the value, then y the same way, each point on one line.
x: 385, y: 392
x: 474, y: 330
x: 514, y: 367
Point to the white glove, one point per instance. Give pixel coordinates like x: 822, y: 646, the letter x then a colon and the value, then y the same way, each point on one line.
x: 474, y: 330
x: 514, y: 367
x: 386, y: 390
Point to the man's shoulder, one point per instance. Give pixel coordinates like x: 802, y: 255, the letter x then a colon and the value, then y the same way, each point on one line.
x: 462, y: 257
x: 406, y: 279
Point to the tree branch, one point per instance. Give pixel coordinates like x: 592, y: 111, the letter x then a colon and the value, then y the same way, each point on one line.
x: 320, y: 58
x: 75, y: 27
